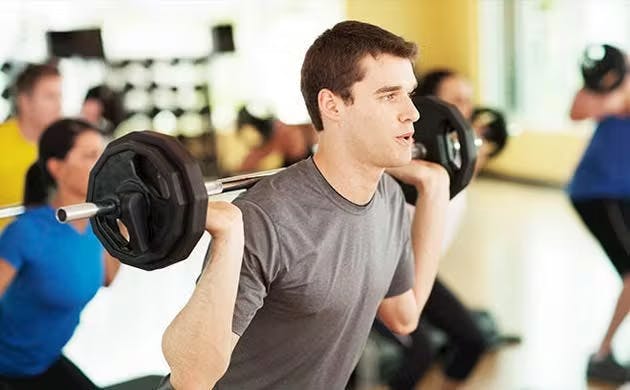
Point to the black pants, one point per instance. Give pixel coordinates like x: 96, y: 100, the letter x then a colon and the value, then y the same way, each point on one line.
x: 445, y: 312
x: 609, y: 222
x: 63, y: 374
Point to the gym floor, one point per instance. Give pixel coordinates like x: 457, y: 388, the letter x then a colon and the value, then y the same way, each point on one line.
x: 521, y: 253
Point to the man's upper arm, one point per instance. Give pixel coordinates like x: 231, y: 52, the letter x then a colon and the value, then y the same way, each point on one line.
x: 399, y: 308
x: 403, y: 277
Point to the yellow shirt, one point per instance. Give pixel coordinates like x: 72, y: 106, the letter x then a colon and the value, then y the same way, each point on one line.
x: 16, y: 156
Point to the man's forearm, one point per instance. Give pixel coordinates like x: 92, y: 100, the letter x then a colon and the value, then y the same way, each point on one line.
x: 427, y: 233
x: 198, y: 343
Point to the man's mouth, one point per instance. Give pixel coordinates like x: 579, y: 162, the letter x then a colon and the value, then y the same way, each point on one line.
x: 406, y: 138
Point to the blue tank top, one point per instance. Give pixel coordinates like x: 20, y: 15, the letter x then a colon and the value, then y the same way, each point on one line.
x: 58, y: 271
x: 604, y: 171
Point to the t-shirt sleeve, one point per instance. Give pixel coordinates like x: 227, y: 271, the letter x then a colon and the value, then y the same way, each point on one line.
x: 261, y: 264
x: 404, y: 275
x: 13, y: 242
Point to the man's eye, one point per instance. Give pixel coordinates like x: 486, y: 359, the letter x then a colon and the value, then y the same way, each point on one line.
x: 389, y: 96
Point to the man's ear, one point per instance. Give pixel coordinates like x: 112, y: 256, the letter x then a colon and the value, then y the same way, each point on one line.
x: 330, y: 105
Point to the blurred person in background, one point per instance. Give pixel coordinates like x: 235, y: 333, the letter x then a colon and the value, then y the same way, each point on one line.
x: 37, y: 99
x: 49, y: 271
x: 291, y: 143
x: 104, y: 108
x: 600, y: 188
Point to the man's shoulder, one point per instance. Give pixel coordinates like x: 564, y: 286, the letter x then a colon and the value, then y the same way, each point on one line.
x: 277, y: 192
x: 390, y: 189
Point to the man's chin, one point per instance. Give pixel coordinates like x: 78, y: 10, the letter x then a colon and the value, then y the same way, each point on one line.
x: 400, y: 162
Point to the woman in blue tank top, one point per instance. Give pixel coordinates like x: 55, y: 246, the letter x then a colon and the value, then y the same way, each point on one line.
x: 600, y: 193
x: 50, y: 271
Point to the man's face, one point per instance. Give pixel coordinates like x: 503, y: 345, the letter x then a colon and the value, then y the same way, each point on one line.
x: 458, y: 92
x: 380, y: 120
x: 43, y: 104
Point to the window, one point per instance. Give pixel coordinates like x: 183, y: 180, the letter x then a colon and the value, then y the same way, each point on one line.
x: 530, y: 51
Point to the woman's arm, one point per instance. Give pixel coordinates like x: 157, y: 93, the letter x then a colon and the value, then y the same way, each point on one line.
x: 7, y: 274
x: 590, y: 105
x: 112, y: 265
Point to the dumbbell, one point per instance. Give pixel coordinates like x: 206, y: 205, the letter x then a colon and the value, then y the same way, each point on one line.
x: 603, y: 68
x: 150, y: 183
x: 493, y: 127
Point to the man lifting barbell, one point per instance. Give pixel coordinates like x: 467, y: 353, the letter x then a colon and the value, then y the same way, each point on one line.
x: 325, y: 244
x: 149, y: 182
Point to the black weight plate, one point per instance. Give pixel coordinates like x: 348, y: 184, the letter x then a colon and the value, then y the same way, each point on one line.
x: 192, y: 190
x: 168, y: 218
x: 439, y: 126
x: 154, y: 227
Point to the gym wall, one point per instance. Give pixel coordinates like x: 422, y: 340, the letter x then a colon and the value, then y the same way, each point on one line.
x: 447, y: 33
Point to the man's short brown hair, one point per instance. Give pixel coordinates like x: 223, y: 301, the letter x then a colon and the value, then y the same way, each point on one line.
x: 333, y: 60
x: 31, y: 75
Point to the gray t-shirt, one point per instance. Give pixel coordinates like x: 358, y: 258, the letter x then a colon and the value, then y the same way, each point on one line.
x: 315, y: 268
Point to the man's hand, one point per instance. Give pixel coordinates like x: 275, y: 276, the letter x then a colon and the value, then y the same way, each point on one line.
x: 223, y: 219
x: 426, y: 176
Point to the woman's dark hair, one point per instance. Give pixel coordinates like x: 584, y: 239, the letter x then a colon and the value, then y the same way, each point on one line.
x: 55, y: 142
x: 429, y: 83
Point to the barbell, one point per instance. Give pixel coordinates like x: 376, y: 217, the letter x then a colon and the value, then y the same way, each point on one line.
x: 150, y: 183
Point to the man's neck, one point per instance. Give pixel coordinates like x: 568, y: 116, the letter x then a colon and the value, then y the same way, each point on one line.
x: 351, y: 178
x: 28, y: 129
